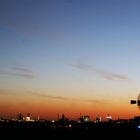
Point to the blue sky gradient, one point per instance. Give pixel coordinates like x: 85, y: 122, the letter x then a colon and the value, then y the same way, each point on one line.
x: 71, y: 48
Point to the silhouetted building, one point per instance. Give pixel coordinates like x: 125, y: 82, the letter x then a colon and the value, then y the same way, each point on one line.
x: 38, y: 118
x: 109, y: 118
x: 121, y: 121
x: 137, y: 119
x: 98, y: 119
x: 85, y: 118
x: 58, y: 117
x: 63, y: 119
x: 28, y: 118
x: 20, y: 117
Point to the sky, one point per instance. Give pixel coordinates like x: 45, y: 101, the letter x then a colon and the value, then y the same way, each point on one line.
x: 69, y: 56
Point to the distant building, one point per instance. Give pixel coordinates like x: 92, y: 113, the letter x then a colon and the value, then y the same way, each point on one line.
x: 98, y: 119
x: 85, y: 118
x: 27, y: 119
x: 121, y: 121
x: 63, y: 119
x: 38, y: 118
x: 137, y: 119
x: 109, y: 118
x: 20, y: 117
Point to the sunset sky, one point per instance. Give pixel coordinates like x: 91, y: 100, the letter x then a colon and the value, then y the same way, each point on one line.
x: 69, y: 56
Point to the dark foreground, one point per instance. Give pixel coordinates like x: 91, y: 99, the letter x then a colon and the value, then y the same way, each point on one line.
x: 68, y: 131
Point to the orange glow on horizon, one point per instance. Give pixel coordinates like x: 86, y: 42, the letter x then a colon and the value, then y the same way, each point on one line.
x: 50, y: 110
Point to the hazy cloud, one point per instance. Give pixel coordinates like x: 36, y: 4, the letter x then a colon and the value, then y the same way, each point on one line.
x: 19, y: 71
x: 93, y: 101
x: 52, y: 97
x: 97, y: 101
x: 102, y: 73
x: 113, y: 76
x: 8, y: 92
x: 24, y: 75
x: 82, y: 66
x: 23, y: 72
x: 2, y: 72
